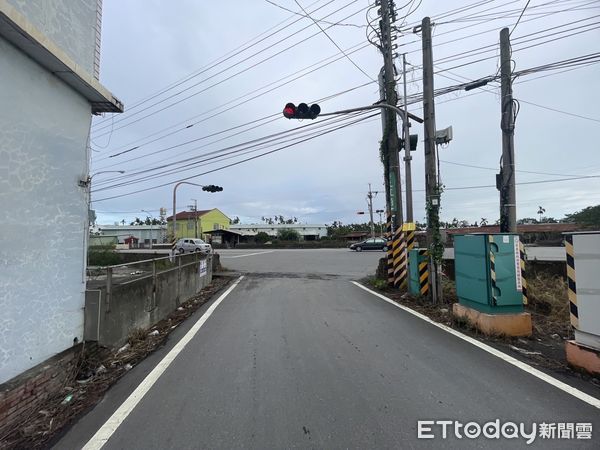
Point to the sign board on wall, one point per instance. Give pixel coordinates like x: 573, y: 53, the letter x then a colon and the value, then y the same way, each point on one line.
x: 202, y: 269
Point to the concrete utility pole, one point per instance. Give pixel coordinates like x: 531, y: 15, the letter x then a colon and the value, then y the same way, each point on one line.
x: 384, y: 121
x: 431, y: 178
x: 407, y: 156
x: 508, y: 195
x: 370, y: 202
x: 391, y: 126
x: 195, y: 209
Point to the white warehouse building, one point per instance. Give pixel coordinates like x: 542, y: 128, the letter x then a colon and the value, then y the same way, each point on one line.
x: 307, y: 232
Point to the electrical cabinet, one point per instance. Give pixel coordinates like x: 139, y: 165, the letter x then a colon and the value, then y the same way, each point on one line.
x: 488, y: 272
x: 583, y: 274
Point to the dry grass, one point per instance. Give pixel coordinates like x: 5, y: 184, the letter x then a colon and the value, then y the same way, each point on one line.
x: 136, y: 335
x: 549, y: 303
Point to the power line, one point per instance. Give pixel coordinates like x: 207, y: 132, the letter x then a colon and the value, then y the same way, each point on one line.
x: 253, y: 124
x: 296, y: 75
x: 519, y: 19
x: 496, y: 169
x: 307, y: 16
x: 232, y: 164
x: 192, y: 161
x: 333, y: 42
x: 221, y: 59
x: 170, y: 105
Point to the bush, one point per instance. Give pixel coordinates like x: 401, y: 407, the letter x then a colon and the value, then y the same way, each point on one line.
x: 288, y: 235
x: 262, y: 237
x: 103, y: 256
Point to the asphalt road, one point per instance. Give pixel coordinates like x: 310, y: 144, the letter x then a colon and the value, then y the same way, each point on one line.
x: 297, y: 356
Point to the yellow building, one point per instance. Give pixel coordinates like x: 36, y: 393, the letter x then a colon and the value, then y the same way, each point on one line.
x: 192, y: 224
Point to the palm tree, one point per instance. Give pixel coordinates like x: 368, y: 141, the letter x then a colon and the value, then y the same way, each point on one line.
x: 540, y: 212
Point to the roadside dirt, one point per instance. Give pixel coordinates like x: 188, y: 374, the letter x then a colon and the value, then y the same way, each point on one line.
x: 97, y: 370
x: 545, y: 348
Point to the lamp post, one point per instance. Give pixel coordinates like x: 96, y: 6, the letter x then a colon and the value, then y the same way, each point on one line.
x: 208, y: 188
x: 152, y: 217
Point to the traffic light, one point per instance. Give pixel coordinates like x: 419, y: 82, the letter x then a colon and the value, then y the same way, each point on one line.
x: 414, y: 138
x: 212, y: 188
x: 302, y: 111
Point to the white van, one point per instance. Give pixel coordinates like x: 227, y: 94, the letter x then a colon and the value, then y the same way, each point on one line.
x: 193, y: 245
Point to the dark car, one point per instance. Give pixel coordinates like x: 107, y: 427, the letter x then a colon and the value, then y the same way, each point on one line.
x: 370, y: 244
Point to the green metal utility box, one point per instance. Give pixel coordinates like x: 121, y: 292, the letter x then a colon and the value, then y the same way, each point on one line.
x: 417, y: 266
x: 488, y: 272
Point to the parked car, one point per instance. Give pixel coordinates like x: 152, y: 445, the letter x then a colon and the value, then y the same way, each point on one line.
x: 193, y: 245
x: 370, y: 244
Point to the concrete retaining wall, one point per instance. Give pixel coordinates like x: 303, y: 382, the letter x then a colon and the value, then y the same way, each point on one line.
x: 111, y: 314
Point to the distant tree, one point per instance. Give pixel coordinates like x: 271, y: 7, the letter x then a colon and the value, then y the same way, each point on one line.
x: 548, y: 220
x: 589, y: 216
x: 527, y: 221
x: 262, y: 237
x: 123, y: 222
x: 148, y: 221
x: 287, y: 234
x: 235, y: 221
x: 541, y: 211
x: 483, y: 222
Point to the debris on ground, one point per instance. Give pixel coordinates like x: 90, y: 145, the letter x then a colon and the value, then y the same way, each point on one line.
x: 94, y: 374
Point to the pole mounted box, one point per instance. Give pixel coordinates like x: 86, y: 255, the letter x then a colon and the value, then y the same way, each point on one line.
x: 583, y: 277
x: 488, y: 271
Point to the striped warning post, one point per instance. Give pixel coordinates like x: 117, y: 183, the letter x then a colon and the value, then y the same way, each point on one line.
x: 572, y: 288
x: 493, y: 270
x: 390, y: 257
x: 399, y: 254
x: 409, y: 229
x: 522, y: 258
x: 423, y: 274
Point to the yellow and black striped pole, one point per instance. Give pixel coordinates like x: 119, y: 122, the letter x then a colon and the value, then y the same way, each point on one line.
x: 423, y: 273
x: 390, y: 256
x: 409, y: 229
x: 493, y: 270
x: 572, y: 288
x: 399, y: 254
x: 522, y: 258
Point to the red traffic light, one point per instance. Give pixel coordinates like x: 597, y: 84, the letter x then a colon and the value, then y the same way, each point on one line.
x: 289, y: 111
x: 303, y: 111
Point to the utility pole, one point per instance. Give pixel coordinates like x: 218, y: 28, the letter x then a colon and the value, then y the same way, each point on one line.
x: 508, y: 195
x: 407, y: 156
x: 370, y: 202
x: 385, y: 155
x: 391, y: 132
x: 195, y: 209
x: 431, y: 178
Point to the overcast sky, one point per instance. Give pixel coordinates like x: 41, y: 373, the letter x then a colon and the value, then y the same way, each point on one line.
x: 225, y: 52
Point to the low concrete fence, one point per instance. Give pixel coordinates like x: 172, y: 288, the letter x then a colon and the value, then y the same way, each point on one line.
x: 128, y: 296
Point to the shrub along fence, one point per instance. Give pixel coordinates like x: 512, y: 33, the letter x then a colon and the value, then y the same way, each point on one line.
x: 120, y: 298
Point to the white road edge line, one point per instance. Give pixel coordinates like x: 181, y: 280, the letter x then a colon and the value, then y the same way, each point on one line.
x: 593, y: 401
x: 110, y: 426
x: 248, y: 254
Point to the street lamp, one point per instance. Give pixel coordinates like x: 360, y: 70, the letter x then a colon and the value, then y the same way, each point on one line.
x: 152, y: 217
x: 209, y: 188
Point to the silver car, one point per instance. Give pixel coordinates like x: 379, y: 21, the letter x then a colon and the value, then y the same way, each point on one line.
x: 193, y: 245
